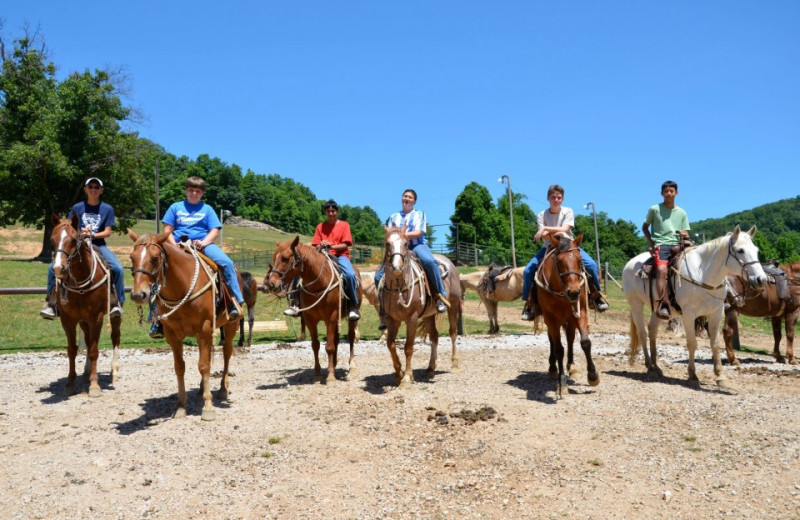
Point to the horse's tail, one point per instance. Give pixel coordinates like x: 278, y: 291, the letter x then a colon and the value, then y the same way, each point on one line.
x: 422, y: 327
x: 634, y: 345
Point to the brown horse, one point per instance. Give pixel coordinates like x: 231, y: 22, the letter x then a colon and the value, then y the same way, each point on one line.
x: 369, y: 293
x: 405, y: 300
x: 83, y: 286
x: 249, y: 293
x: 320, y: 298
x: 185, y: 304
x: 508, y: 288
x: 743, y: 299
x: 563, y: 300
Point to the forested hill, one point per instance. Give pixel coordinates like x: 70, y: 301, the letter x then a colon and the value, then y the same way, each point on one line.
x: 778, y: 224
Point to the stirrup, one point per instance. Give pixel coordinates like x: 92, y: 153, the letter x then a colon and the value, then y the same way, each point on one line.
x: 156, y: 330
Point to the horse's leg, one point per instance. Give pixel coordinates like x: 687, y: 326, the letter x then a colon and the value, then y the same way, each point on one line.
x: 331, y: 344
x: 790, y: 320
x: 312, y: 331
x: 92, y: 331
x: 176, y: 343
x: 713, y: 329
x: 491, y: 309
x: 251, y: 318
x: 72, y: 352
x: 227, y: 351
x: 586, y: 345
x: 241, y: 331
x: 691, y: 345
x: 651, y: 361
x: 411, y: 331
x: 205, y: 345
x: 557, y: 349
x: 452, y: 316
x: 352, y: 329
x: 776, y: 337
x: 730, y: 335
x: 433, y: 334
x: 116, y: 323
x: 572, y: 370
x: 391, y: 335
x: 552, y: 369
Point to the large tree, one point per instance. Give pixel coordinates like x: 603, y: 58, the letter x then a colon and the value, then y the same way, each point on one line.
x: 53, y: 135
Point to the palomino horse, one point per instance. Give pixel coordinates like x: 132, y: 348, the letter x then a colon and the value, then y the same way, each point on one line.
x: 405, y: 300
x: 764, y: 302
x: 320, y: 298
x: 185, y: 292
x: 564, y: 301
x: 83, y: 286
x: 699, y: 287
x: 507, y: 289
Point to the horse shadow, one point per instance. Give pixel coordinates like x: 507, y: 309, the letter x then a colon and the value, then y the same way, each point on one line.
x: 644, y: 377
x: 380, y: 384
x: 301, y: 376
x: 157, y: 409
x: 539, y: 386
x: 57, y: 388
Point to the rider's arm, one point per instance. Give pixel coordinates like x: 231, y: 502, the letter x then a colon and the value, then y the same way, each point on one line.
x: 170, y: 228
x: 646, y: 232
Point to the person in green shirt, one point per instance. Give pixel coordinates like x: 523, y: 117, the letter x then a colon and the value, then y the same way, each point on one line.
x: 665, y: 225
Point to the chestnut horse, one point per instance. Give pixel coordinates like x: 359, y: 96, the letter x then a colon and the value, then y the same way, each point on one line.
x: 320, y: 298
x: 184, y: 292
x: 764, y: 302
x: 405, y: 300
x: 250, y: 294
x: 83, y: 286
x: 507, y: 289
x: 564, y: 301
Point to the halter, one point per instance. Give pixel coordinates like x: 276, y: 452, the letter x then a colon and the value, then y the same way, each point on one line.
x: 416, y: 278
x: 296, y: 259
x: 85, y: 285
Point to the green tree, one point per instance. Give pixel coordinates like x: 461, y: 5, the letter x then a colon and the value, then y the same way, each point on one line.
x: 55, y: 135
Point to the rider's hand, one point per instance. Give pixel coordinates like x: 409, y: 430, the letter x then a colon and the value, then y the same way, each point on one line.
x: 198, y: 245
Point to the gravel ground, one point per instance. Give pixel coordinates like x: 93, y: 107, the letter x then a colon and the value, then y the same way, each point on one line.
x: 489, y: 441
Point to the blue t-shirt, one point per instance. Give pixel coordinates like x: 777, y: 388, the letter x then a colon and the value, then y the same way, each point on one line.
x: 192, y: 220
x: 415, y: 220
x: 98, y: 217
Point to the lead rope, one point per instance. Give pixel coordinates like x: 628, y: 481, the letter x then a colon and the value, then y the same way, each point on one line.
x: 188, y: 293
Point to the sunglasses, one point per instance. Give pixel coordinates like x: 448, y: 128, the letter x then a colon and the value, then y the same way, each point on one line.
x: 95, y: 187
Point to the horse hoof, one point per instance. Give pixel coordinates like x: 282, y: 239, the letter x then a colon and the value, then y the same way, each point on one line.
x: 594, y: 379
x: 95, y: 392
x: 222, y: 395
x: 552, y: 374
x: 780, y: 359
x: 456, y: 365
x: 352, y: 373
x: 792, y: 361
x: 431, y: 372
x: 317, y: 379
x: 573, y: 371
x: 180, y: 413
x: 208, y: 415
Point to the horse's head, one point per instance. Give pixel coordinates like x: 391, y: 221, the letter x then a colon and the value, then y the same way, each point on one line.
x: 148, y: 262
x: 742, y: 249
x: 396, y: 249
x: 286, y: 266
x: 66, y: 243
x: 570, y: 267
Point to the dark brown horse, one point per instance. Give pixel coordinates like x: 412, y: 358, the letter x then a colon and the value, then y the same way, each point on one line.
x: 185, y: 304
x: 741, y: 298
x: 404, y: 300
x: 83, y: 288
x: 250, y: 294
x: 563, y: 300
x: 321, y: 298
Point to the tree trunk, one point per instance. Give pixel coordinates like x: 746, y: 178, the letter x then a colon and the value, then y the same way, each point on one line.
x: 45, y: 255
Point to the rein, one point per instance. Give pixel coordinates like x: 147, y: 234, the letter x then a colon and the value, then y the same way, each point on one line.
x: 414, y: 273
x: 334, y: 282
x: 543, y: 282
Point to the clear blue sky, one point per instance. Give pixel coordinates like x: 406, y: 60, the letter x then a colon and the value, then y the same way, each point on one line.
x: 359, y: 100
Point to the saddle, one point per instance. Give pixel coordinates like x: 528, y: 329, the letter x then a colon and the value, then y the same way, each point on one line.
x: 777, y: 276
x: 224, y: 297
x: 493, y: 275
x: 646, y: 272
x: 444, y: 272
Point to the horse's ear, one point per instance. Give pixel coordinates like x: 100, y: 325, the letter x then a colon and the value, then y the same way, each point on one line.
x: 133, y: 235
x: 386, y: 229
x: 752, y: 231
x: 737, y: 230
x: 55, y: 219
x: 162, y: 237
x: 295, y: 242
x: 76, y: 223
x: 579, y: 240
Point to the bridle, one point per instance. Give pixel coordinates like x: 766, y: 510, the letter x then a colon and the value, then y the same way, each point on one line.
x: 542, y: 282
x: 297, y: 264
x: 407, y: 267
x: 731, y: 253
x: 84, y: 286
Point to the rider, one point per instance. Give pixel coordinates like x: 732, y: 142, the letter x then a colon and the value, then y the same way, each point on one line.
x: 96, y: 219
x: 417, y: 227
x: 664, y: 227
x: 334, y: 235
x: 558, y: 219
x: 199, y: 222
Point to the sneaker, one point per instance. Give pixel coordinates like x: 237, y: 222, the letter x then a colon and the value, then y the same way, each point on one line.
x: 233, y: 312
x: 116, y: 310
x: 156, y: 330
x: 292, y: 311
x: 440, y: 306
x: 663, y: 312
x: 382, y: 325
x: 353, y: 315
x: 47, y: 312
x: 600, y: 305
x: 527, y: 315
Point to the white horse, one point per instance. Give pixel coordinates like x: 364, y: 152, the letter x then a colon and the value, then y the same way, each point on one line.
x: 699, y: 291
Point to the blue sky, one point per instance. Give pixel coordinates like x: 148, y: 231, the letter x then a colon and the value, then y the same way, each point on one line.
x: 360, y: 100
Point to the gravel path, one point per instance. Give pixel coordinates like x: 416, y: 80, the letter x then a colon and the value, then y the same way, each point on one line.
x: 490, y: 441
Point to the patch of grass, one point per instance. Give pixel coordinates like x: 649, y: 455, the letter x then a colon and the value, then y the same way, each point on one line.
x: 689, y: 438
x: 275, y: 440
x: 266, y: 454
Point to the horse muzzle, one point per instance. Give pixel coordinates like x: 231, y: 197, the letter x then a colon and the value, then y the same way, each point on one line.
x: 140, y: 297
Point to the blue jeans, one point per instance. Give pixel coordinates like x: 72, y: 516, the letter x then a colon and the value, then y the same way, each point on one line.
x: 429, y: 264
x: 115, y: 267
x: 530, y: 271
x: 228, y: 270
x: 349, y: 275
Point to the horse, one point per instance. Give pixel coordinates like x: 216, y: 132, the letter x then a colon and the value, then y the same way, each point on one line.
x: 506, y: 289
x: 369, y: 293
x: 764, y: 302
x: 321, y: 298
x: 563, y: 300
x: 184, y: 289
x: 249, y: 293
x: 404, y: 299
x: 699, y: 288
x: 83, y: 286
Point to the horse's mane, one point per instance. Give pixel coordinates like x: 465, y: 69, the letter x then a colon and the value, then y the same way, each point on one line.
x: 143, y: 240
x: 564, y: 245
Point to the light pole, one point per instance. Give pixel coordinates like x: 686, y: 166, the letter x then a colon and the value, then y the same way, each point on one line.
x: 596, y: 236
x: 507, y: 179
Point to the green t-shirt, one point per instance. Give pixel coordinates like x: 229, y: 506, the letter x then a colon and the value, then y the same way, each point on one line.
x: 665, y: 222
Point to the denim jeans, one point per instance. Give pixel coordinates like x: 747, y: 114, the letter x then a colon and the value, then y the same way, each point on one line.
x: 430, y: 266
x: 530, y: 271
x: 115, y: 267
x: 349, y: 275
x: 228, y: 270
